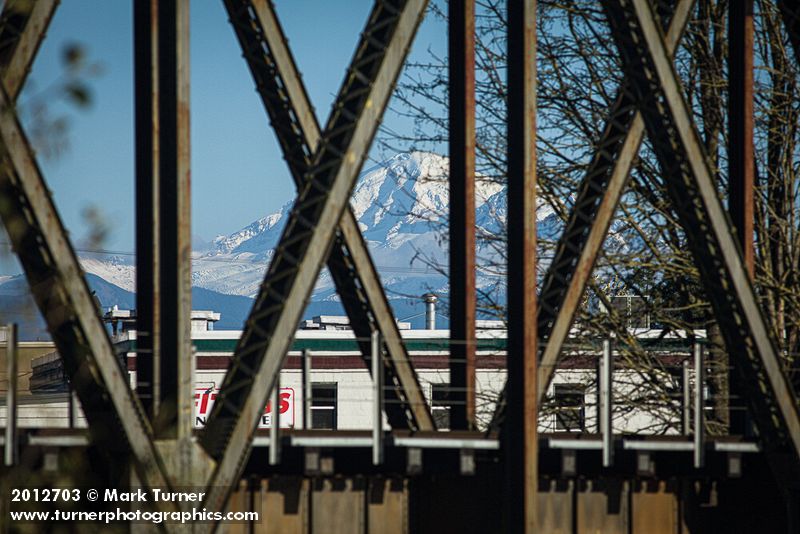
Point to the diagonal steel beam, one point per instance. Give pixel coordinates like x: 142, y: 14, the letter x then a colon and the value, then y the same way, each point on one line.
x: 20, y: 42
x: 590, y: 218
x: 307, y: 238
x: 63, y: 298
x: 691, y: 189
x: 357, y: 281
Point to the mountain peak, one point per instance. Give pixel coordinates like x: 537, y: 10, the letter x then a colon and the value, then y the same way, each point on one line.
x: 401, y: 206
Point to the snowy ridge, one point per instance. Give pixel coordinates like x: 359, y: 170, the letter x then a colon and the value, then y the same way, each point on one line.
x: 118, y: 270
x: 401, y: 206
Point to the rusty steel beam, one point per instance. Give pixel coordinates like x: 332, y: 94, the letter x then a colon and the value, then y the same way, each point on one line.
x: 306, y: 239
x: 11, y: 444
x: 148, y: 244
x: 519, y: 433
x: 693, y: 194
x: 741, y: 165
x: 357, y: 281
x: 461, y: 106
x: 116, y: 420
x: 741, y: 161
x: 175, y: 410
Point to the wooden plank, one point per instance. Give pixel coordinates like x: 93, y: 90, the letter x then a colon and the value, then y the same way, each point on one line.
x: 654, y: 510
x: 337, y: 505
x: 554, y: 504
x: 283, y: 506
x: 239, y: 502
x: 602, y: 508
x: 387, y: 506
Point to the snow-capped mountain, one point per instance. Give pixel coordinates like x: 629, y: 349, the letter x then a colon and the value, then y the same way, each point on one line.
x: 401, y: 206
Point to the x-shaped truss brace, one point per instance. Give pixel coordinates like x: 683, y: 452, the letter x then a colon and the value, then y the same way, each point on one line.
x: 642, y: 103
x: 591, y: 215
x: 651, y: 99
x: 690, y: 186
x: 63, y: 297
x: 310, y: 231
x: 589, y: 219
x: 357, y: 282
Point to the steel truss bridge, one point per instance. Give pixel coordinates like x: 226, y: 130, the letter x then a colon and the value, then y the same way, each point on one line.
x: 521, y: 482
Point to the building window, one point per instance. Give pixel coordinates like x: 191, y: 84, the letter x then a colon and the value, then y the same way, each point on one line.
x: 323, y: 406
x: 440, y: 406
x: 570, y: 407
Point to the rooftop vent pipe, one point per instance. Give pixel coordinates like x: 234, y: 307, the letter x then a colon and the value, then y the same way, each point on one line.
x: 430, y: 310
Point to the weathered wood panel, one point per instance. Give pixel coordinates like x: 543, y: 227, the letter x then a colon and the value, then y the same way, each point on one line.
x: 602, y: 508
x: 387, y: 506
x: 554, y: 506
x: 655, y: 509
x: 284, y: 506
x: 337, y: 505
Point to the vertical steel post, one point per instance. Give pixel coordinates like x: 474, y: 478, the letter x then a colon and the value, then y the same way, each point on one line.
x: 461, y: 46
x: 306, y: 379
x: 145, y: 27
x: 275, y: 422
x: 686, y: 404
x: 71, y: 408
x: 741, y: 164
x: 11, y: 447
x: 174, y: 203
x: 699, y: 401
x: 377, y: 399
x: 741, y: 183
x: 606, y: 403
x: 520, y: 427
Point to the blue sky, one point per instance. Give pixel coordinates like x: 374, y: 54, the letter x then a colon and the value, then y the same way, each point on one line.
x: 238, y: 173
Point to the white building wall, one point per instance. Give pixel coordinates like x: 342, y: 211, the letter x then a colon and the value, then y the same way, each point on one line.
x: 354, y: 400
x: 354, y: 390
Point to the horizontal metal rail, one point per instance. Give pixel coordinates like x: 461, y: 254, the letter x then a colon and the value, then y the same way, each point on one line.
x: 639, y: 443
